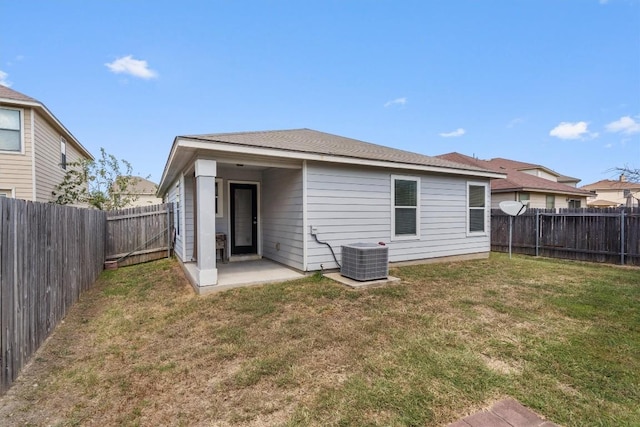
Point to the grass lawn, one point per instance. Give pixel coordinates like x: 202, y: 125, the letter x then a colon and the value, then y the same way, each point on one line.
x: 140, y: 348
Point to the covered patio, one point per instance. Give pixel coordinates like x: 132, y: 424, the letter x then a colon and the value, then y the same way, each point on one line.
x: 244, y: 273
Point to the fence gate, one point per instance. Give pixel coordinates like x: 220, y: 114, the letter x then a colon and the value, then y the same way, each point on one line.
x: 140, y: 234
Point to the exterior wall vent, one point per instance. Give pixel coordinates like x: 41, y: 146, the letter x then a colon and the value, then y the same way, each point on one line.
x: 365, y: 261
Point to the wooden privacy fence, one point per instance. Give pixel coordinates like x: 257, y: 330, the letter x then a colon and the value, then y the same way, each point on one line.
x: 140, y: 234
x: 600, y: 235
x: 49, y: 254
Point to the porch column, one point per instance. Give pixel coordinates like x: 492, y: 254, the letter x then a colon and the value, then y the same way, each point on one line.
x: 206, y: 171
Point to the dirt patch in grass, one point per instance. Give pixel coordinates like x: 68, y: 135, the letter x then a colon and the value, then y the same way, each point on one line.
x: 141, y: 349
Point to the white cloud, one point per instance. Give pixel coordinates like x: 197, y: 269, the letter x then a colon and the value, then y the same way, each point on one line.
x: 135, y: 67
x: 4, y: 79
x: 608, y: 145
x: 455, y: 133
x: 397, y: 101
x: 515, y: 122
x: 626, y: 125
x: 567, y: 130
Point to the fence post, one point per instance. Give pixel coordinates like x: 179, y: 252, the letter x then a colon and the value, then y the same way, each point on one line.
x: 622, y: 237
x: 537, y: 231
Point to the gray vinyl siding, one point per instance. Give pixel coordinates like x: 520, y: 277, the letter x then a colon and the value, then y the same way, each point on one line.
x: 282, y: 217
x: 351, y: 204
x: 49, y: 172
x: 346, y: 205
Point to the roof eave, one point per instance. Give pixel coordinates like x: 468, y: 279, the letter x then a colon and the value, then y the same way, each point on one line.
x: 194, y: 143
x: 164, y: 180
x: 302, y: 155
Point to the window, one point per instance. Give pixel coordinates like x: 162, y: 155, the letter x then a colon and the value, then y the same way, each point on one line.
x: 219, y: 198
x: 574, y: 204
x: 5, y: 193
x: 63, y: 153
x: 626, y: 193
x: 524, y: 198
x: 406, y: 207
x: 551, y: 201
x: 477, y: 208
x: 10, y: 130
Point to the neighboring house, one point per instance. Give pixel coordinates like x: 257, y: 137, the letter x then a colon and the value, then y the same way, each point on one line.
x: 143, y: 191
x: 535, y: 185
x: 34, y: 148
x: 270, y: 192
x: 609, y: 193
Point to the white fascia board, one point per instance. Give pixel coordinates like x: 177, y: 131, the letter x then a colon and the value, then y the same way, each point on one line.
x: 162, y: 183
x: 240, y: 149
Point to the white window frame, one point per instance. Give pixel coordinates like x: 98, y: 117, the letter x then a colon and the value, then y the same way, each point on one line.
x: 7, y: 192
x: 219, y: 198
x: 63, y: 153
x: 394, y: 236
x: 22, y: 148
x: 486, y: 208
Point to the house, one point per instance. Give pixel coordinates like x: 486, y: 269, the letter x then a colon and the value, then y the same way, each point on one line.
x: 609, y: 193
x: 35, y: 148
x: 142, y: 191
x: 535, y: 185
x: 272, y: 194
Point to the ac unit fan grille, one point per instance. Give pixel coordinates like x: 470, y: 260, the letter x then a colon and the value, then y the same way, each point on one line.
x: 365, y: 261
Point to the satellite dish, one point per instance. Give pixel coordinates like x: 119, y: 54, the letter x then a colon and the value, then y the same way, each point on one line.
x: 513, y: 208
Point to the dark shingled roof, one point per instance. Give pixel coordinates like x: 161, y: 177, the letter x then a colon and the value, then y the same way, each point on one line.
x: 315, y: 142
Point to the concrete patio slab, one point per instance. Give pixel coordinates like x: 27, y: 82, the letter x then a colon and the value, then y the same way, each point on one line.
x: 358, y: 285
x: 244, y: 273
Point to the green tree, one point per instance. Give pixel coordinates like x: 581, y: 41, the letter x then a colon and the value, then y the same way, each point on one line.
x: 104, y: 183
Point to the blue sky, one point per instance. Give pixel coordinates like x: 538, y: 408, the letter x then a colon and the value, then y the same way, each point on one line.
x: 553, y: 82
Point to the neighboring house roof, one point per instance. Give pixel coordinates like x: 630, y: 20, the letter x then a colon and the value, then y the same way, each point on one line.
x: 142, y: 186
x: 517, y: 180
x: 520, y: 166
x: 14, y: 98
x: 601, y: 203
x: 314, y: 145
x: 608, y: 184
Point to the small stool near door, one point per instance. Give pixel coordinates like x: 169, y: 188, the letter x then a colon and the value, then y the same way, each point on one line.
x: 221, y: 245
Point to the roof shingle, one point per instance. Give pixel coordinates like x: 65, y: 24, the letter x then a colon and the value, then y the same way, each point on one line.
x: 7, y: 93
x: 315, y: 142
